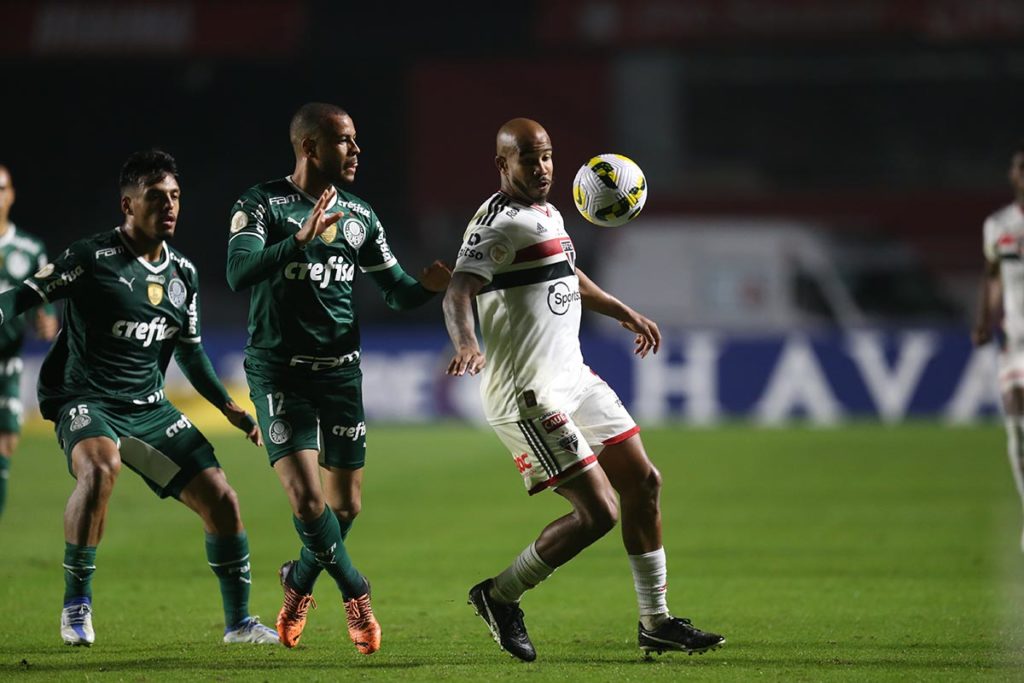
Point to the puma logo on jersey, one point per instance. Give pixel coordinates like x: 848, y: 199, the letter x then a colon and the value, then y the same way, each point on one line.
x: 156, y: 329
x: 335, y: 270
x: 128, y: 283
x: 292, y: 220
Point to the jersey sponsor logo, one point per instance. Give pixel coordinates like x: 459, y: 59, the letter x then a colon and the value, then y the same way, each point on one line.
x: 335, y: 270
x: 354, y: 232
x: 176, y: 292
x: 239, y: 221
x: 287, y: 199
x: 324, y: 362
x: 155, y: 397
x: 18, y: 265
x: 181, y: 425
x: 109, y: 251
x: 352, y: 433
x: 382, y: 243
x: 156, y: 329
x: 279, y: 432
x: 193, y: 315
x: 522, y: 462
x: 1008, y: 246
x: 64, y: 279
x: 553, y: 420
x: 356, y: 208
x: 512, y: 213
x: 561, y: 297
x: 296, y: 222
x: 130, y: 284
x: 541, y: 229
x: 155, y: 293
x: 470, y: 253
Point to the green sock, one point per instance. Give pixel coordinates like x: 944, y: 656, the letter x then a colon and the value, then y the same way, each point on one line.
x: 345, y: 527
x: 79, y: 564
x: 5, y: 471
x: 229, y: 559
x: 324, y: 548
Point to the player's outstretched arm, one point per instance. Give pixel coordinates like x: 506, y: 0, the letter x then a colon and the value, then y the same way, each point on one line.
x: 16, y: 301
x: 458, y: 318
x: 989, y: 303
x: 196, y: 367
x: 403, y: 292
x: 593, y: 298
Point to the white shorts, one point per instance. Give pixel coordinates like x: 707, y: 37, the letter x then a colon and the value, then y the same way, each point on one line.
x: 557, y: 443
x: 1011, y: 367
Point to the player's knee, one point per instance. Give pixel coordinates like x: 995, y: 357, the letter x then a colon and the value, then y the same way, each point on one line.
x: 650, y: 484
x: 99, y: 472
x: 223, y: 511
x: 308, y: 507
x: 347, y: 511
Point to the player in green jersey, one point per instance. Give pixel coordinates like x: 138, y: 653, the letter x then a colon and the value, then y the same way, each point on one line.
x: 297, y: 242
x: 20, y: 254
x: 131, y: 302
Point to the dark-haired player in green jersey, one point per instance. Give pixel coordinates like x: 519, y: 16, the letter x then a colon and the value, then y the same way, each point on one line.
x: 20, y: 254
x: 131, y: 302
x: 297, y: 242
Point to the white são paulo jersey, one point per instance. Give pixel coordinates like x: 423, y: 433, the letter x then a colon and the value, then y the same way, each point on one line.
x: 1004, y: 242
x: 530, y: 308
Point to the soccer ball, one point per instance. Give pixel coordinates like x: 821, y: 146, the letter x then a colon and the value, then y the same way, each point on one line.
x: 609, y: 190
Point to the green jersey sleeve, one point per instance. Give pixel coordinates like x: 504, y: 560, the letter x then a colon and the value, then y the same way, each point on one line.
x: 249, y: 259
x: 374, y: 252
x: 61, y: 278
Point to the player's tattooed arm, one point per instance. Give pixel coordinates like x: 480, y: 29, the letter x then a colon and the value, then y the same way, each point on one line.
x: 593, y: 298
x: 458, y: 318
x: 990, y: 298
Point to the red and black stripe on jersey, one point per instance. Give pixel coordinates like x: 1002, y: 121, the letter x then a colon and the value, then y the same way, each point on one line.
x: 529, y: 276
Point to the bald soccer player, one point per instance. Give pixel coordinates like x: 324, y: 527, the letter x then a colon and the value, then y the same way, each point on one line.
x: 564, y: 426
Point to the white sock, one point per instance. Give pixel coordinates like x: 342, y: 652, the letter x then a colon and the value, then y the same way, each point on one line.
x: 650, y: 578
x: 525, y: 572
x: 1015, y: 449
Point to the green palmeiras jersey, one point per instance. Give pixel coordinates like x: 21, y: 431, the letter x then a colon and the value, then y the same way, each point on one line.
x: 123, y: 317
x: 21, y: 255
x: 301, y: 310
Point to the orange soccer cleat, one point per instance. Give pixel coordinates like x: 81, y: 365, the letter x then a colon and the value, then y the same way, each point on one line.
x: 292, y: 617
x: 363, y: 628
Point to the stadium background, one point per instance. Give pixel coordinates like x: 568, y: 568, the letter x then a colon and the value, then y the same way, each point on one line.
x: 780, y: 126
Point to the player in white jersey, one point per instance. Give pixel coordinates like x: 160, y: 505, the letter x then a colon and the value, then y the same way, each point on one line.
x: 1002, y: 288
x: 557, y: 418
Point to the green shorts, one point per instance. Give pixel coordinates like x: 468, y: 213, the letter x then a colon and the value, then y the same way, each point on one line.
x: 157, y: 441
x: 11, y: 410
x: 300, y: 409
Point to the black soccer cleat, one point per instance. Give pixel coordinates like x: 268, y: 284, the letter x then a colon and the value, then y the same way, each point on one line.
x: 504, y: 621
x: 678, y: 635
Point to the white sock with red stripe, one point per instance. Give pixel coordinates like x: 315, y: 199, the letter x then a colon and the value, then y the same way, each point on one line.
x: 650, y: 578
x: 523, y: 574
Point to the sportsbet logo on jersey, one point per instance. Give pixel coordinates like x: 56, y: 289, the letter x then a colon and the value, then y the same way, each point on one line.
x: 335, y: 270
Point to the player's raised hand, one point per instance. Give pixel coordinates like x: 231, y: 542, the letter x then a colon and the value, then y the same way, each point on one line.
x: 317, y: 222
x: 243, y: 420
x: 648, y: 336
x: 436, y: 276
x: 465, y: 361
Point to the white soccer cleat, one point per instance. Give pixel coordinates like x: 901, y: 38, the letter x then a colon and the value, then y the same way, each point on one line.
x: 250, y: 630
x: 76, y: 624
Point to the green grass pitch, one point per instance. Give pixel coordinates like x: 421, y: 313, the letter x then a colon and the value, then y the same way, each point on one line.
x: 862, y: 553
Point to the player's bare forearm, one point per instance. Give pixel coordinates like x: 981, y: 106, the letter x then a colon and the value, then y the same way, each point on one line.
x: 458, y: 319
x: 593, y: 298
x: 989, y: 303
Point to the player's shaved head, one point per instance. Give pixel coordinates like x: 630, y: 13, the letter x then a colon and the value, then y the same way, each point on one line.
x: 310, y: 120
x: 6, y: 193
x: 521, y: 133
